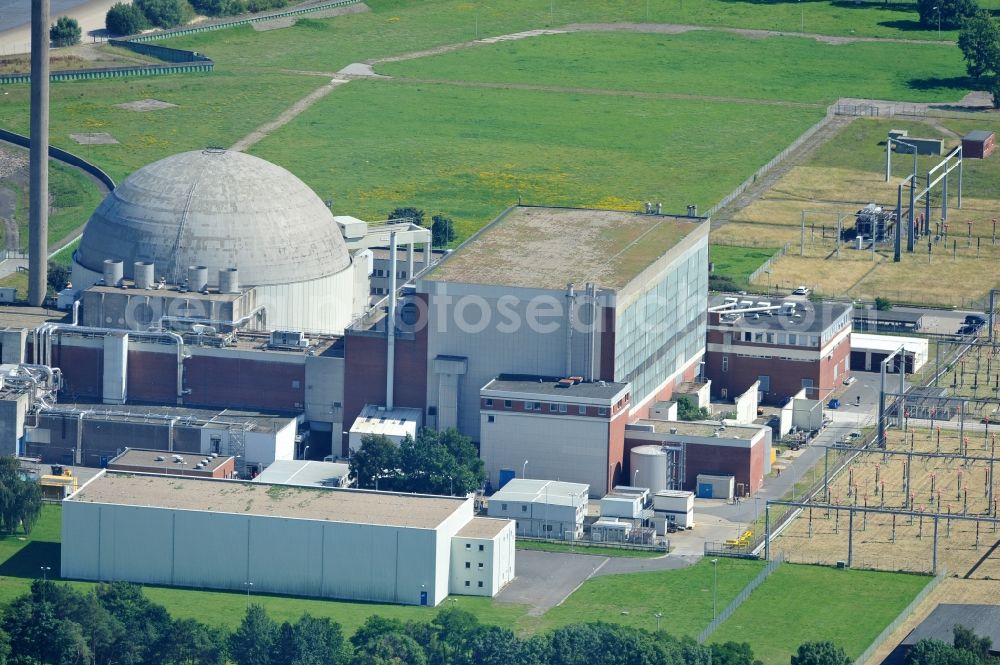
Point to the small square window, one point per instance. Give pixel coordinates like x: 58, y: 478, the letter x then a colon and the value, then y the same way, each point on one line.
x: 553, y: 407
x: 491, y: 419
x: 480, y: 585
x: 468, y: 564
x: 480, y: 565
x: 562, y: 408
x: 602, y: 411
x: 583, y: 410
x: 467, y: 583
x: 468, y: 546
x: 488, y: 402
x: 481, y: 548
x: 507, y: 404
x: 503, y: 506
x: 524, y: 509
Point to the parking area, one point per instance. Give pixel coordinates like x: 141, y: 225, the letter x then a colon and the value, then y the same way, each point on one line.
x: 544, y: 579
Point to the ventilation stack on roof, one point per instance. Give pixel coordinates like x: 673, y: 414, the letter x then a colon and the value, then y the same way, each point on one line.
x: 197, y: 278
x: 229, y: 280
x: 113, y: 272
x: 143, y: 274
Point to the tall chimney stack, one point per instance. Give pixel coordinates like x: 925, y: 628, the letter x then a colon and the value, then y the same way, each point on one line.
x: 38, y: 197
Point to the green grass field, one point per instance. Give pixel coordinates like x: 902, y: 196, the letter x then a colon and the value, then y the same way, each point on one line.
x: 779, y: 68
x: 808, y: 603
x: 592, y: 550
x: 738, y: 263
x: 683, y: 596
x: 469, y: 153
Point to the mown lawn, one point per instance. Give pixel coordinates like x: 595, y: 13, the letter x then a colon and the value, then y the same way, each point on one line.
x: 738, y: 263
x: 682, y: 596
x: 800, y: 603
x: 469, y: 153
x: 785, y: 68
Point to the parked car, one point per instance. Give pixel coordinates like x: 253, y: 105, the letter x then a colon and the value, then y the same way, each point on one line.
x: 849, y: 380
x: 975, y: 320
x: 801, y: 291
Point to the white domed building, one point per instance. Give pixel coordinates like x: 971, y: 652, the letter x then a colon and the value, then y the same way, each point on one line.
x: 220, y: 223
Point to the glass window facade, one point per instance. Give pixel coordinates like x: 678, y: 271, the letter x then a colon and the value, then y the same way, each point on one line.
x: 662, y: 330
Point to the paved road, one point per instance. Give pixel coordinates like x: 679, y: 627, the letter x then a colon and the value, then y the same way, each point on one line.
x: 545, y: 579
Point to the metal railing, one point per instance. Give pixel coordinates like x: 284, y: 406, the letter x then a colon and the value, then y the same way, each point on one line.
x: 586, y: 542
x: 777, y: 159
x: 898, y: 621
x: 766, y: 266
x: 259, y: 18
x: 738, y: 600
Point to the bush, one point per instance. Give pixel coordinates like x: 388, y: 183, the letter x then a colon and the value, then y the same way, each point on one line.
x: 950, y: 12
x: 124, y: 19
x: 686, y: 410
x: 883, y: 304
x: 995, y: 91
x: 65, y: 32
x: 161, y: 13
x: 722, y: 283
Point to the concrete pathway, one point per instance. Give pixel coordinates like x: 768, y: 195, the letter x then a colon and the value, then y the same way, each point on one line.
x: 287, y: 115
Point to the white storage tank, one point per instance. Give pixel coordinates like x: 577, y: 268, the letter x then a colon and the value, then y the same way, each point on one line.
x: 648, y: 466
x: 113, y: 272
x: 229, y: 280
x: 197, y: 278
x: 143, y: 274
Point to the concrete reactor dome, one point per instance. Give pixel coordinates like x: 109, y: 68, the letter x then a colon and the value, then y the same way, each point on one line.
x: 218, y: 209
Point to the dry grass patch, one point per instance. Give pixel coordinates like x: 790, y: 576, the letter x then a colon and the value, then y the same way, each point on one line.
x: 943, y: 485
x: 828, y: 277
x: 830, y: 190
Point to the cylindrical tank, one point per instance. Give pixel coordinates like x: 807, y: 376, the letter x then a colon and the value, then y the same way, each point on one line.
x: 114, y: 271
x: 197, y: 278
x: 229, y: 280
x: 648, y: 466
x: 143, y: 273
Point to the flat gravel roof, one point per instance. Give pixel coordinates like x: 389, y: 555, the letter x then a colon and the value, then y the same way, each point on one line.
x: 251, y: 498
x: 547, y: 248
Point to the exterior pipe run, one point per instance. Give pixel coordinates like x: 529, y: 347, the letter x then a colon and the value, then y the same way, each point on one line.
x: 239, y: 323
x: 570, y: 303
x: 44, y: 336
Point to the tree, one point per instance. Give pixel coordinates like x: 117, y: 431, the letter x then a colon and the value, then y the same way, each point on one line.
x: 883, y: 304
x: 161, y: 13
x: 936, y: 652
x: 442, y: 230
x: 994, y: 91
x: 190, y: 642
x: 317, y: 642
x: 966, y: 640
x: 125, y: 19
x: 820, y: 653
x: 144, y: 624
x: 686, y: 409
x: 58, y: 277
x: 950, y: 13
x: 4, y: 647
x: 65, y: 32
x: 979, y: 40
x: 377, y: 457
x: 20, y: 499
x: 254, y: 641
x: 440, y: 463
x: 732, y: 653
x: 413, y: 215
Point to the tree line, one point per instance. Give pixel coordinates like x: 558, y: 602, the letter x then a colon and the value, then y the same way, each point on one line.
x: 432, y: 463
x: 116, y: 624
x: 131, y: 18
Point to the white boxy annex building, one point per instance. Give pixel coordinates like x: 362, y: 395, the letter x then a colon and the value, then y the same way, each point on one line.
x: 333, y: 543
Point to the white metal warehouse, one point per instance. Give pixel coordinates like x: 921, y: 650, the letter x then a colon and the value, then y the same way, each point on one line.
x: 336, y: 543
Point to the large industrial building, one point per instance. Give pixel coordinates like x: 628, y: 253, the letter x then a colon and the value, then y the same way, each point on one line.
x: 331, y: 543
x: 213, y: 291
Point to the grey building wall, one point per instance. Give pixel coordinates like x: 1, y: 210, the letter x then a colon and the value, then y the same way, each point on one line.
x: 498, y: 339
x: 542, y: 520
x: 279, y: 555
x: 662, y: 326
